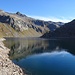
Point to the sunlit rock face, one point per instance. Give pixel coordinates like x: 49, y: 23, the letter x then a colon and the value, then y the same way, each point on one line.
x: 22, y: 23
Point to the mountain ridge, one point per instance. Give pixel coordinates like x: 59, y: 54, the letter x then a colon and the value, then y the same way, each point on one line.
x: 65, y: 31
x: 21, y: 23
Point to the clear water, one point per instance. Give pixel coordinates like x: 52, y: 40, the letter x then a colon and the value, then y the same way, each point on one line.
x: 42, y: 56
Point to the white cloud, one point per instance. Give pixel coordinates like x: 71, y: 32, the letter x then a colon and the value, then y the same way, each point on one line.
x: 54, y: 19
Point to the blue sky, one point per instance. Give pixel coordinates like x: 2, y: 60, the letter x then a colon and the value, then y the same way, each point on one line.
x: 54, y: 10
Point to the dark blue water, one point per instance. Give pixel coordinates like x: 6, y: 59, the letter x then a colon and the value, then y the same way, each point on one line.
x: 43, y: 57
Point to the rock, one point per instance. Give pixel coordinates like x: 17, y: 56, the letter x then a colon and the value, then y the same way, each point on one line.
x: 7, y: 67
x: 20, y: 22
x: 19, y: 14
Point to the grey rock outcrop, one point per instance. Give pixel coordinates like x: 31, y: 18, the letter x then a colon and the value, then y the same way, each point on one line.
x: 7, y: 67
x: 21, y: 22
x: 18, y: 13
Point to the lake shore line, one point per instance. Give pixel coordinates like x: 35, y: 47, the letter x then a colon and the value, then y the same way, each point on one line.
x: 7, y: 67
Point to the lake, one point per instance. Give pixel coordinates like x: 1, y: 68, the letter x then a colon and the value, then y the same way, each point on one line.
x: 43, y: 56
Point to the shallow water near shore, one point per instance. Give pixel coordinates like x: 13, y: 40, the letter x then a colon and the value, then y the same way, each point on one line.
x: 42, y: 56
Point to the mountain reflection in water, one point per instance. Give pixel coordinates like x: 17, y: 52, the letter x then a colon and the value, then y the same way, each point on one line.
x: 42, y: 56
x: 22, y: 47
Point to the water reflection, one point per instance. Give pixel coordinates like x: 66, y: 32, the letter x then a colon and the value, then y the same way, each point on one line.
x: 21, y: 47
x: 54, y: 63
x: 42, y: 56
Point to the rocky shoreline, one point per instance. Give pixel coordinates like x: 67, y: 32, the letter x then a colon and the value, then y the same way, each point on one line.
x: 7, y: 67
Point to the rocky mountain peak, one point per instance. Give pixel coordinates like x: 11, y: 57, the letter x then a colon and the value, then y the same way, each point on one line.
x: 21, y: 23
x: 20, y: 14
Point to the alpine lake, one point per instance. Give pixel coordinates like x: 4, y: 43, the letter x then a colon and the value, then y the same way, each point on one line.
x: 43, y: 56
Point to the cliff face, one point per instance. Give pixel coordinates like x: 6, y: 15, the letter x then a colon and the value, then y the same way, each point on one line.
x: 67, y: 30
x: 19, y: 24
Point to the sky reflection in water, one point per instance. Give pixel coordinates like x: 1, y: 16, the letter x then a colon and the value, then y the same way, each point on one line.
x: 43, y: 57
x: 55, y: 63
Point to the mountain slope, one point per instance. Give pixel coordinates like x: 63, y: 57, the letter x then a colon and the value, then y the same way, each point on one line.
x: 67, y: 30
x: 7, y: 31
x: 19, y: 25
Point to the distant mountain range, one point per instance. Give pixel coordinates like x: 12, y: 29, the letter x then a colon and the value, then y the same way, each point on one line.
x: 65, y: 31
x: 20, y: 25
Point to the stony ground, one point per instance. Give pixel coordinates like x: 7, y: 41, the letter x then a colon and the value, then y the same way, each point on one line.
x: 7, y: 67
